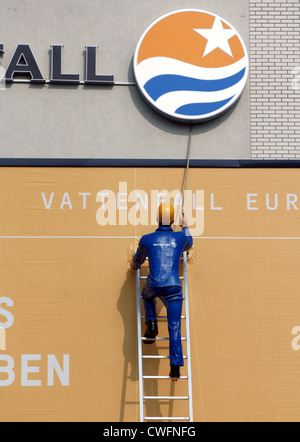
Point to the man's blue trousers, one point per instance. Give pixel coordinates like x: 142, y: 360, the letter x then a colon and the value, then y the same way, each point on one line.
x: 172, y: 299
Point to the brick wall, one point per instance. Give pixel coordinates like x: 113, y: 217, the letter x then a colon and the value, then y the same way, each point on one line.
x: 275, y: 87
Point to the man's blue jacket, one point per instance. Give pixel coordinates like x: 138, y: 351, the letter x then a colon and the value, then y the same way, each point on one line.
x: 163, y: 249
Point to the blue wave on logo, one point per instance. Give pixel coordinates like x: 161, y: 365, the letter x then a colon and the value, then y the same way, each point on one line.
x: 201, y: 108
x: 163, y: 84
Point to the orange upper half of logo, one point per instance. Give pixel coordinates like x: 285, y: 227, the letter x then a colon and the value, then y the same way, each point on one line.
x: 193, y: 37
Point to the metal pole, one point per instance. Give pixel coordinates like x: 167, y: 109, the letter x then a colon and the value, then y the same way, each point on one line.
x: 187, y: 166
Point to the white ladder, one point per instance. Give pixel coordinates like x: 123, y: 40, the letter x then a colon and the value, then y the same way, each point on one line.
x: 141, y: 357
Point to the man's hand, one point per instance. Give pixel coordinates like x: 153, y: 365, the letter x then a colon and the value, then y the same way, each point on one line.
x: 132, y: 265
x: 184, y: 221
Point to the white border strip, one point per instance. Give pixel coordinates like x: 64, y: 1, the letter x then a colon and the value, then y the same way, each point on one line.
x: 247, y: 237
x: 137, y: 237
x: 68, y: 237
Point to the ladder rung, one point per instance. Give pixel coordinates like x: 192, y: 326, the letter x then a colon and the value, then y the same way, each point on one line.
x: 162, y: 377
x: 182, y: 298
x: 158, y: 357
x: 159, y: 339
x: 167, y: 418
x: 147, y: 259
x: 145, y: 277
x: 162, y: 317
x: 175, y: 398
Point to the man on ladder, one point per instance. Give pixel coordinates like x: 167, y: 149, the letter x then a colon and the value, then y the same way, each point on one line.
x: 164, y: 248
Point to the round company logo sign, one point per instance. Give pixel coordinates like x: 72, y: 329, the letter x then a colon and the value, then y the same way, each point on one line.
x: 191, y: 65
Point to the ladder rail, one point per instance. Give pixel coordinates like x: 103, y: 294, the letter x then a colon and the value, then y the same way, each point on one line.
x: 188, y: 336
x: 140, y: 351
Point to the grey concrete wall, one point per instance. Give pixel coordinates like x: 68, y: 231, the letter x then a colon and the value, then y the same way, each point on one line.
x: 104, y: 122
x: 275, y: 78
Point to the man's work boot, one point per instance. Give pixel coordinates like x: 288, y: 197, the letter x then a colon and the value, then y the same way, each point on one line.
x: 151, y: 332
x: 175, y: 372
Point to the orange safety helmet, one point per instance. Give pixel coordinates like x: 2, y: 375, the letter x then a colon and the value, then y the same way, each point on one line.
x: 166, y: 214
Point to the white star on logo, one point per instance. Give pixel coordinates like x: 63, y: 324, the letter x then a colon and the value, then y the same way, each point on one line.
x: 217, y: 37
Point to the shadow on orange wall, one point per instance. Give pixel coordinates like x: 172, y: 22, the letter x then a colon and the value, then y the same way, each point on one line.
x: 127, y: 308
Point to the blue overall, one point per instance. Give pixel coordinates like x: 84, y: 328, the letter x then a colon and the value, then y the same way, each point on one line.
x: 164, y: 249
